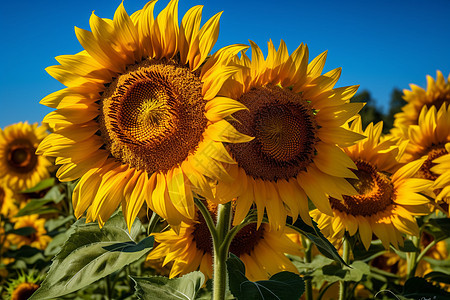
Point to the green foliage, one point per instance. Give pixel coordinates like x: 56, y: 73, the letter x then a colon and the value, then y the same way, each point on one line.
x: 163, y: 288
x: 282, y: 286
x: 395, y: 106
x: 419, y: 288
x: 43, y: 185
x: 372, y: 113
x: 92, y: 253
x: 325, y: 270
x: 314, y: 234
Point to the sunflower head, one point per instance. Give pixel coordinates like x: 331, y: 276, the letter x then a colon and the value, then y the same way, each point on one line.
x: 192, y: 249
x: 298, y: 120
x: 386, y: 199
x: 38, y: 239
x: 20, y: 167
x: 436, y: 94
x: 140, y: 119
x: 24, y: 286
x: 8, y: 199
x: 428, y: 151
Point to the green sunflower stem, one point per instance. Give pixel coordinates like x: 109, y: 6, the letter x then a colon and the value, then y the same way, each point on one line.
x: 308, y: 258
x: 412, y: 260
x: 346, y: 258
x: 221, y: 251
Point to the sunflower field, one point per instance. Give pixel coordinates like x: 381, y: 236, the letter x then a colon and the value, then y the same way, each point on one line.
x: 166, y: 171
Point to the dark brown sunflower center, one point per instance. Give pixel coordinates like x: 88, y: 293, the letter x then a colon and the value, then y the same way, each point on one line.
x: 21, y: 156
x: 375, y: 192
x: 284, y: 128
x: 243, y: 243
x: 246, y: 239
x: 153, y: 115
x: 24, y: 291
x: 425, y: 169
x: 438, y: 102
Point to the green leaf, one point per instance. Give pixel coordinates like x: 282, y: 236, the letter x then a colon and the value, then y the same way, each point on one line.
x: 55, y: 244
x: 54, y: 224
x: 323, y: 269
x: 44, y: 184
x: 24, y: 231
x: 282, y: 286
x: 439, y: 277
x: 360, y: 252
x: 439, y: 227
x: 314, y: 234
x: 407, y: 247
x: 41, y: 209
x: 163, y: 288
x: 419, y: 288
x: 92, y: 253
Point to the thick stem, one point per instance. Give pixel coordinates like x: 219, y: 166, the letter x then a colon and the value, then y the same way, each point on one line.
x: 208, y: 219
x: 108, y: 288
x: 412, y: 258
x: 308, y: 258
x: 345, y: 257
x: 221, y: 251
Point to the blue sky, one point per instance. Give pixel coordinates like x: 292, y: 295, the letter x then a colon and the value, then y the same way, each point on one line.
x: 379, y: 44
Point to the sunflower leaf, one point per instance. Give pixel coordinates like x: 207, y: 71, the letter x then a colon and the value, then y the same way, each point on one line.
x: 163, y: 288
x: 44, y: 184
x: 91, y: 253
x: 314, y: 234
x: 439, y: 227
x: 23, y: 231
x: 438, y: 277
x: 36, y: 206
x: 420, y: 288
x: 283, y: 285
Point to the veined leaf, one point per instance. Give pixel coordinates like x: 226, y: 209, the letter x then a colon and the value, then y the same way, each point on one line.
x: 163, y: 288
x: 281, y: 286
x: 92, y: 253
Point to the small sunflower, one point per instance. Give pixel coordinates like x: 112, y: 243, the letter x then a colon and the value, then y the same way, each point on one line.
x: 437, y: 93
x: 24, y: 286
x: 297, y: 120
x: 139, y: 119
x: 261, y: 250
x: 8, y: 207
x: 20, y: 167
x: 387, y: 199
x: 429, y: 150
x: 38, y: 239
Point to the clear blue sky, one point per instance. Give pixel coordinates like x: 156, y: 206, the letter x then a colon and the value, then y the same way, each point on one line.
x: 379, y: 44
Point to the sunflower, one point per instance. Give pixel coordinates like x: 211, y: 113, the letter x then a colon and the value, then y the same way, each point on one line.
x: 139, y: 119
x: 387, y: 198
x: 296, y: 118
x: 24, y: 286
x: 8, y: 207
x: 429, y: 148
x: 38, y: 239
x: 20, y: 167
x: 437, y: 93
x: 261, y: 250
